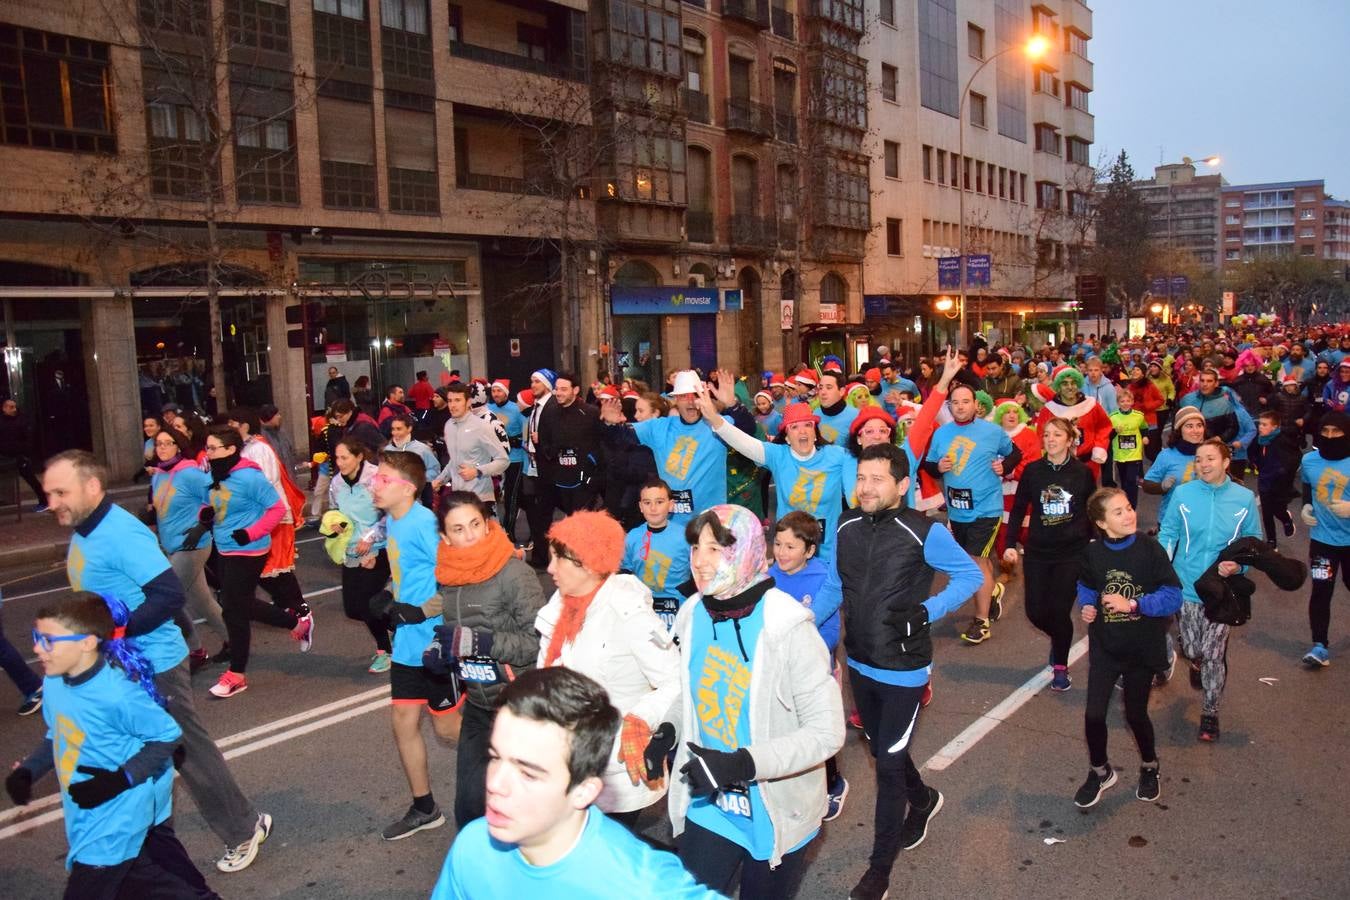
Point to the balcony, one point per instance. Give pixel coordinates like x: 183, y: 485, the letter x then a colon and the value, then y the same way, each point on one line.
x: 697, y: 106
x: 750, y: 232
x: 750, y: 117
x: 698, y: 227
x: 785, y: 126
x: 783, y: 24
x: 752, y: 12
x: 503, y: 184
x: 516, y: 61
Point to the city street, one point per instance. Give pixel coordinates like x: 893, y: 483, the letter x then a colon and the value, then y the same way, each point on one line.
x: 310, y: 742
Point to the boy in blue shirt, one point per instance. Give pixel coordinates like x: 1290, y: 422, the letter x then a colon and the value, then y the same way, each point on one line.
x: 110, y: 742
x: 414, y: 612
x: 542, y: 835
x: 656, y: 553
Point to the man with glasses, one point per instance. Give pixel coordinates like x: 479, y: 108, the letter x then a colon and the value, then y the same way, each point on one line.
x: 112, y: 553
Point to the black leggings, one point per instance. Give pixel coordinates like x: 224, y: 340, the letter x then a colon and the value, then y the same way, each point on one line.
x: 239, y: 605
x: 1324, y: 561
x: 889, y: 713
x: 284, y: 589
x: 1102, y: 673
x: 713, y: 861
x: 359, y: 585
x: 471, y: 762
x: 1051, y: 587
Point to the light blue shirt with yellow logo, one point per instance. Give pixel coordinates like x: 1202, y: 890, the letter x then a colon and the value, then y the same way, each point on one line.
x: 973, y: 490
x: 689, y: 458
x: 815, y: 485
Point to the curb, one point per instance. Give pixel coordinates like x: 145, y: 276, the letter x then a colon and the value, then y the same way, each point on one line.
x: 18, y: 557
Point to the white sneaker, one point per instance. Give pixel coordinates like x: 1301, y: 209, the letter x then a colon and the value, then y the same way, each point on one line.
x: 236, y: 859
x: 304, y: 632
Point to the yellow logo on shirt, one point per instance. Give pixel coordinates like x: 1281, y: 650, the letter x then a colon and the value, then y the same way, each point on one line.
x: 681, y: 457
x: 395, y: 565
x: 1331, y: 487
x: 67, y: 739
x: 1188, y: 473
x: 807, y: 490
x: 656, y: 569
x: 75, y: 563
x: 723, y: 686
x: 829, y: 433
x: 959, y: 452
x: 164, y: 496
x: 220, y: 501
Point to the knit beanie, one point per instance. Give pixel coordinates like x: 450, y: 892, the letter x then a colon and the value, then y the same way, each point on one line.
x: 593, y: 537
x: 1183, y: 414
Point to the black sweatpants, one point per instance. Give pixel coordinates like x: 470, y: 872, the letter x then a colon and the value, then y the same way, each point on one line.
x: 713, y: 861
x: 1274, y: 506
x: 1324, y: 561
x: 359, y: 585
x: 541, y: 498
x: 1128, y: 474
x: 1051, y: 587
x: 510, y: 499
x: 24, y: 466
x: 284, y: 589
x: 239, y: 605
x: 161, y: 871
x: 889, y: 713
x: 1103, y: 671
x: 471, y: 761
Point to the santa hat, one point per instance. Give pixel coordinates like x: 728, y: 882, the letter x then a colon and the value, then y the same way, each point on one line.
x: 548, y: 376
x: 1290, y: 378
x: 1044, y: 392
x: 777, y: 380
x: 608, y: 391
x: 868, y: 414
x: 806, y: 378
x: 593, y: 537
x: 629, y: 394
x: 765, y: 394
x: 832, y: 363
x: 525, y: 397
x: 907, y: 410
x: 797, y: 412
x: 502, y: 383
x: 872, y: 376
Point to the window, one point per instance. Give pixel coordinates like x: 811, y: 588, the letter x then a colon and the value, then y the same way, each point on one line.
x: 978, y: 104
x: 955, y: 164
x: 410, y: 151
x: 832, y: 289
x: 1307, y: 214
x: 927, y: 163
x: 1002, y: 183
x: 891, y: 152
x: 1232, y: 254
x: 1307, y: 250
x: 974, y: 41
x: 346, y: 154
x: 650, y: 162
x: 1078, y: 203
x: 979, y: 177
x: 1076, y: 96
x: 348, y: 9
x: 888, y: 11
x: 1233, y: 203
x: 456, y: 23
x: 176, y: 160
x: 893, y: 237
x: 264, y: 160
x: 744, y: 186
x: 1047, y: 139
x: 1308, y: 198
x: 1010, y: 30
x: 182, y: 16
x: 1046, y: 82
x: 694, y: 51
x: 643, y: 36
x: 942, y: 167
x: 1047, y: 195
x: 937, y: 56
x: 965, y: 172
x: 1076, y: 150
x: 54, y: 92
x: 264, y: 24
x: 888, y: 82
x: 1022, y: 186
x: 1075, y: 42
x: 1232, y: 220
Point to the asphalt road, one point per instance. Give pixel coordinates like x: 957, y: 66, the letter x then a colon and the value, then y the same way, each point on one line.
x: 1261, y: 814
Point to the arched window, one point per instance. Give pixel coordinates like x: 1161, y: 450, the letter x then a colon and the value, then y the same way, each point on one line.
x: 787, y: 285
x: 636, y: 273
x: 833, y: 289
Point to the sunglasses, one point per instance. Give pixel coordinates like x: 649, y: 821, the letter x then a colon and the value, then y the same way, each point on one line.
x: 45, y: 641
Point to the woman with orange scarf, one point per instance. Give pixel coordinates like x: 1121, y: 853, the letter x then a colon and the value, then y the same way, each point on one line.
x: 601, y: 624
x: 490, y: 600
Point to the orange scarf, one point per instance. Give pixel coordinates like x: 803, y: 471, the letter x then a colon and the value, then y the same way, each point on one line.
x: 569, y: 623
x: 475, y: 564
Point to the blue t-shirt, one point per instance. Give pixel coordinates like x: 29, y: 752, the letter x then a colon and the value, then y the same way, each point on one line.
x: 607, y: 863
x: 1330, y: 482
x: 116, y: 558
x: 240, y: 501
x: 1171, y: 463
x: 660, y: 560
x: 509, y: 414
x: 813, y: 588
x: 412, y: 570
x: 102, y: 723
x: 835, y: 428
x: 691, y: 459
x: 814, y: 485
x: 971, y: 488
x: 179, y: 497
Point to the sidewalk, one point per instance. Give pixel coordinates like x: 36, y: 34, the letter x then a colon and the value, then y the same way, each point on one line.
x: 38, y: 539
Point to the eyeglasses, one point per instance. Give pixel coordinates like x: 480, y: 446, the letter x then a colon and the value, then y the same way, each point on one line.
x: 212, y: 448
x: 381, y: 478
x: 45, y: 641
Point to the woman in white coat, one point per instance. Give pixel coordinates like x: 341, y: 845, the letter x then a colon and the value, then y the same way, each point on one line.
x: 602, y: 625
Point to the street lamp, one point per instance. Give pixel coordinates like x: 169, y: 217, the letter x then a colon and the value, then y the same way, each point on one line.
x: 1035, y: 47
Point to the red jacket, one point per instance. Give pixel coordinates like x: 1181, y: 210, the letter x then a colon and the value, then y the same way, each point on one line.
x: 1147, y: 399
x: 1094, y: 428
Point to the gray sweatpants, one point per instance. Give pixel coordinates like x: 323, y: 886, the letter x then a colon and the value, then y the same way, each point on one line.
x: 208, y: 779
x: 190, y: 567
x: 1205, y: 642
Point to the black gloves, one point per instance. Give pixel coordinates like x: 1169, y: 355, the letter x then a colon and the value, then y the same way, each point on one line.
x: 101, y: 786
x: 658, y: 748
x: 241, y: 537
x: 709, y: 771
x: 380, y: 604
x: 193, y: 536
x: 19, y: 785
x: 406, y: 614
x: 206, y: 516
x: 909, y: 622
x: 436, y: 659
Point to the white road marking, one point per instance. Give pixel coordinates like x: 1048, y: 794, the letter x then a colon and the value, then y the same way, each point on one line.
x: 987, y: 722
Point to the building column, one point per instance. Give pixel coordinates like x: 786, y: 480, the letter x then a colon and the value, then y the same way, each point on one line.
x: 114, y: 389
x: 287, y: 367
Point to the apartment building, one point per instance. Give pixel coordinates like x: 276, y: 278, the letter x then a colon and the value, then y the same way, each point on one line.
x: 1186, y: 211
x: 1285, y: 218
x: 1017, y: 145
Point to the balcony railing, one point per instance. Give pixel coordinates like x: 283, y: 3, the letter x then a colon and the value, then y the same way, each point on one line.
x: 503, y: 184
x: 698, y: 227
x: 783, y: 24
x: 755, y: 12
x: 785, y: 126
x: 749, y: 116
x: 751, y: 231
x: 515, y: 61
x: 696, y: 106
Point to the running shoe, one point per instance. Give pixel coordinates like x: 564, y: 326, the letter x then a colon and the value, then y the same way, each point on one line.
x: 1093, y: 788
x: 198, y: 660
x: 32, y: 703
x: 837, y: 794
x: 996, y: 601
x: 927, y: 696
x: 874, y: 885
x: 855, y: 719
x: 978, y: 632
x: 412, y: 822
x: 1061, y: 681
x: 915, y: 828
x: 239, y: 858
x: 1148, y: 789
x: 304, y: 632
x: 379, y: 663
x: 1315, y: 658
x: 229, y: 684
x: 1209, y: 729
x: 1290, y: 527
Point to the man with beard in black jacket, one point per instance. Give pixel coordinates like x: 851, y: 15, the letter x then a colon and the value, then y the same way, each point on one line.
x: 567, y: 449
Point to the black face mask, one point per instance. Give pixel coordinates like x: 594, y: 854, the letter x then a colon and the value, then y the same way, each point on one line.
x: 220, y: 468
x: 1333, y: 448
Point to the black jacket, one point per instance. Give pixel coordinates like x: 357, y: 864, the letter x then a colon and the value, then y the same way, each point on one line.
x: 1251, y: 389
x: 1057, y: 501
x: 1277, y: 463
x: 15, y: 439
x: 1228, y: 601
x: 567, y: 447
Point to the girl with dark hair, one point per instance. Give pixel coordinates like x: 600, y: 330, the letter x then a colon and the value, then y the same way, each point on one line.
x: 1175, y: 465
x: 364, y: 561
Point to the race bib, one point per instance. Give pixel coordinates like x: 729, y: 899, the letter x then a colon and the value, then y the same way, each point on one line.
x: 666, y: 608
x: 567, y: 458
x: 1320, y: 570
x: 1127, y: 441
x: 682, y: 503
x: 960, y: 498
x: 478, y: 669
x: 735, y: 802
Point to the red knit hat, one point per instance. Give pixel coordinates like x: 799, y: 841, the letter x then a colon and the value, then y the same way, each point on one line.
x: 525, y: 397
x: 867, y: 414
x: 797, y: 412
x: 593, y: 537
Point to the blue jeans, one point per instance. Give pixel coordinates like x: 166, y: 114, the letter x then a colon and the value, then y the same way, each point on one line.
x: 12, y: 662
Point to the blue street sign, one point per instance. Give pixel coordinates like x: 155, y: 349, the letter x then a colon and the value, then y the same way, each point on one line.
x: 979, y: 268
x: 1180, y: 285
x: 1158, y: 286
x: 949, y: 273
x: 732, y: 299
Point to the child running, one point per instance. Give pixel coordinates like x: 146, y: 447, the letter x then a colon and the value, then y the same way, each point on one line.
x: 1128, y: 439
x: 1128, y: 593
x: 656, y: 553
x: 111, y: 742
